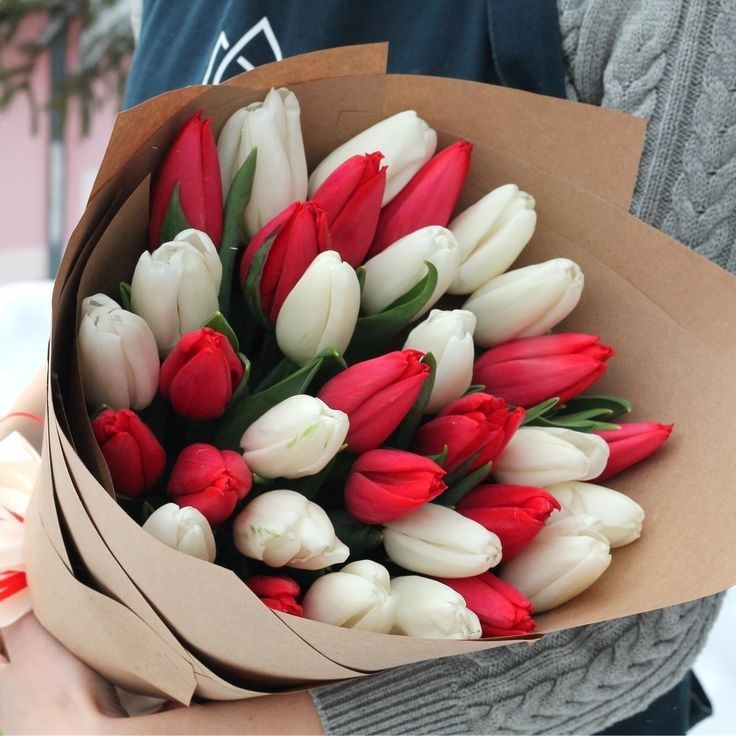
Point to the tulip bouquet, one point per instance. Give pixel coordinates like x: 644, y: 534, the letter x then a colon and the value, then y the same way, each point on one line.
x: 341, y: 392
x: 311, y: 410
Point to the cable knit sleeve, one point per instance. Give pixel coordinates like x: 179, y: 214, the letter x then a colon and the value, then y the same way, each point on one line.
x: 672, y: 62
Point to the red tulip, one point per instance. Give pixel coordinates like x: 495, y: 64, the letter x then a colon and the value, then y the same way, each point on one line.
x: 192, y: 161
x: 515, y: 514
x: 632, y: 443
x: 132, y: 453
x: 300, y: 233
x: 278, y: 592
x: 351, y: 198
x: 530, y: 370
x: 376, y: 395
x: 200, y: 374
x: 428, y: 199
x: 501, y: 608
x: 210, y: 480
x: 478, y: 424
x: 385, y: 485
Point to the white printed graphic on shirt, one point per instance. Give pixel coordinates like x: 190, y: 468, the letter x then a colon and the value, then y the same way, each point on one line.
x: 233, y: 54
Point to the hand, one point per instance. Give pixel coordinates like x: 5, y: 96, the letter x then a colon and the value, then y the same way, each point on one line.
x: 46, y: 689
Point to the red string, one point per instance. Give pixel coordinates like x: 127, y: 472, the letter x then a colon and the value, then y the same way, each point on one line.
x: 25, y: 414
x: 11, y: 583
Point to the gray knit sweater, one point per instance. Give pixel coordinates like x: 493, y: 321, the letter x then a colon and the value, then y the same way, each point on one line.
x: 673, y: 62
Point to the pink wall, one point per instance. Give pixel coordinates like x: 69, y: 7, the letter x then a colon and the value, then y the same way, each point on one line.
x: 23, y: 170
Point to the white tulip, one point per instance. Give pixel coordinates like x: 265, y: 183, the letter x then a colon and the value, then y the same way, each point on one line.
x: 526, y: 302
x: 19, y: 464
x: 564, y: 559
x: 118, y: 357
x: 394, y: 271
x: 296, y: 438
x: 438, y: 541
x: 448, y: 335
x: 543, y: 456
x: 432, y: 610
x: 357, y: 597
x: 491, y: 234
x: 405, y: 140
x: 621, y: 516
x: 320, y: 311
x: 175, y: 288
x: 184, y: 529
x: 274, y: 128
x: 285, y: 528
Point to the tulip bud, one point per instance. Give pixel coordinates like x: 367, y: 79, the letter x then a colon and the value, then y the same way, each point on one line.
x: 273, y: 127
x: 376, y: 395
x: 118, y: 357
x: 351, y: 198
x: 296, y: 438
x: 565, y: 558
x: 175, y: 288
x: 284, y: 528
x: 428, y: 199
x: 531, y: 370
x: 543, y: 456
x: 390, y: 274
x: 132, y: 453
x: 405, y: 140
x: 448, y: 335
x: 438, y: 541
x: 184, y: 529
x: 621, y: 516
x: 210, y: 481
x: 501, y: 608
x: 474, y: 428
x: 515, y: 514
x: 299, y: 234
x: 491, y: 234
x: 525, y: 302
x: 357, y: 597
x: 200, y: 374
x: 432, y: 610
x: 320, y: 311
x: 385, y: 485
x: 191, y: 161
x: 631, y: 444
x: 278, y: 592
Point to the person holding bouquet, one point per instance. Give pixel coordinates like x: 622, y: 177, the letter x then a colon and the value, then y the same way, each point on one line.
x: 641, y: 58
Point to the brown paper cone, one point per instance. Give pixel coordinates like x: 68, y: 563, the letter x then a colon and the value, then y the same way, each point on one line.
x: 663, y: 308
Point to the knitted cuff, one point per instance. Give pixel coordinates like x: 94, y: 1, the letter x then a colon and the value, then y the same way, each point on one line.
x: 419, y: 698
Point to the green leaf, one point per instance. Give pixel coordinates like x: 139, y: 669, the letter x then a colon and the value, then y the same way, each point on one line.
x: 285, y: 367
x: 360, y: 273
x: 242, y: 413
x: 455, y: 493
x: 311, y: 486
x: 536, y: 411
x: 403, y: 434
x: 462, y: 470
x: 218, y: 323
x: 237, y: 200
x: 125, y: 296
x: 439, y: 458
x: 373, y: 331
x: 615, y: 405
x: 174, y: 220
x: 476, y: 388
x: 252, y: 288
x: 359, y: 537
x: 242, y: 388
x: 578, y: 424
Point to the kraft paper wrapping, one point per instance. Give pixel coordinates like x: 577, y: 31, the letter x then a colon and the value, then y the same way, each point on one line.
x: 163, y: 623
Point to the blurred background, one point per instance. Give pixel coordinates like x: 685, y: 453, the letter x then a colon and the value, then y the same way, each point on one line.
x: 63, y: 65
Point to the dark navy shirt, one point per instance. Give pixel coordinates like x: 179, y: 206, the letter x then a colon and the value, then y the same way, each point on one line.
x: 512, y: 42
